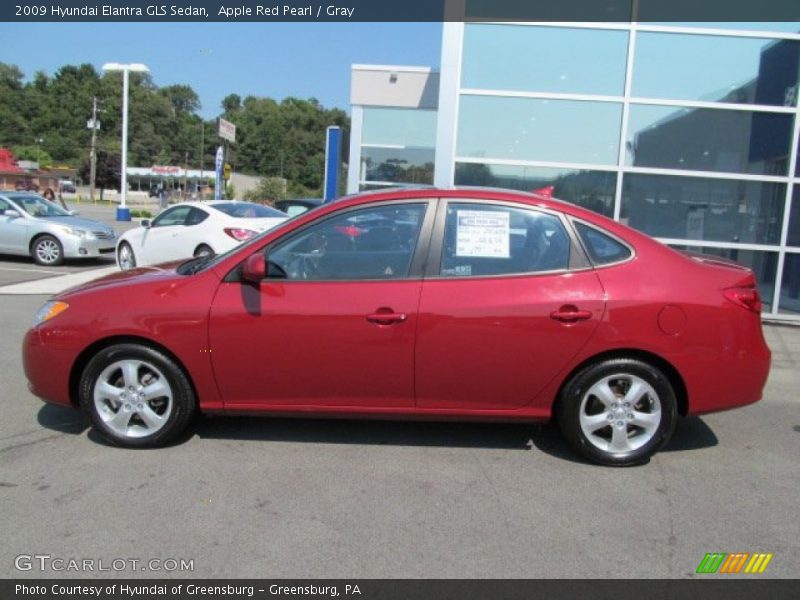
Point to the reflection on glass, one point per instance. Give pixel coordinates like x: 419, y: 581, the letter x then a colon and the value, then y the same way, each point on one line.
x: 789, y: 302
x: 707, y: 139
x: 399, y: 126
x: 532, y: 129
x: 544, y: 59
x: 794, y: 219
x: 716, y: 68
x: 399, y: 165
x: 764, y: 265
x: 591, y: 189
x: 698, y: 208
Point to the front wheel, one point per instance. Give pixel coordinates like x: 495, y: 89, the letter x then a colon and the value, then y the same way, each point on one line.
x: 125, y: 257
x: 47, y: 251
x: 136, y: 396
x: 617, y: 412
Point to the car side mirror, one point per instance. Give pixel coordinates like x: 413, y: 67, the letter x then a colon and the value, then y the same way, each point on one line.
x: 254, y: 269
x: 146, y: 223
x: 10, y: 212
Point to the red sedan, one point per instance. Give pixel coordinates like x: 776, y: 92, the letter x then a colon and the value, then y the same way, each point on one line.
x: 418, y: 304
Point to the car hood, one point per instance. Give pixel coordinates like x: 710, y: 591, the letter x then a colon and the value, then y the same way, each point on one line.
x: 78, y: 223
x: 146, y: 274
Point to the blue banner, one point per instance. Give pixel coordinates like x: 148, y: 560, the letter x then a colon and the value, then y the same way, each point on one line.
x: 218, y: 181
x: 332, y: 145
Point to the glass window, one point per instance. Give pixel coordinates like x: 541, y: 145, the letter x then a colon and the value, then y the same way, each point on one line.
x: 716, y: 68
x: 481, y: 239
x: 764, y: 265
x: 789, y: 302
x: 36, y: 206
x: 399, y: 165
x: 373, y: 243
x: 544, y: 59
x: 172, y: 216
x: 533, y: 129
x: 707, y: 139
x: 700, y: 208
x: 602, y: 248
x: 248, y: 210
x: 399, y: 126
x: 591, y: 189
x: 4, y: 206
x: 794, y: 219
x: 196, y: 216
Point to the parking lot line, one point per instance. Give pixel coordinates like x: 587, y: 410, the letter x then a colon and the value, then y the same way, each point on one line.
x: 31, y: 270
x: 55, y: 285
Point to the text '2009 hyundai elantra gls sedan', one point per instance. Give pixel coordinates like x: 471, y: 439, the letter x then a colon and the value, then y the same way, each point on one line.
x: 415, y: 304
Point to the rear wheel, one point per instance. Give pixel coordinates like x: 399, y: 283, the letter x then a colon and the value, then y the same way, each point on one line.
x: 617, y: 412
x: 136, y: 396
x: 47, y: 251
x: 125, y: 257
x: 203, y: 250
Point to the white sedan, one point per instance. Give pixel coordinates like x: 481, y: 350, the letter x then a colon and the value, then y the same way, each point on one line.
x: 194, y: 229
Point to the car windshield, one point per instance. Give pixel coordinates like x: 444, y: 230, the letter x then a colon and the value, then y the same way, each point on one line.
x: 248, y: 210
x: 36, y: 206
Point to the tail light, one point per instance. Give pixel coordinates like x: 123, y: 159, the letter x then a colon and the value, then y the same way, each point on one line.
x: 744, y: 296
x: 240, y: 235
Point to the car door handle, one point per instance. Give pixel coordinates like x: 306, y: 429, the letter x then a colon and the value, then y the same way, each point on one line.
x: 570, y: 313
x: 386, y: 317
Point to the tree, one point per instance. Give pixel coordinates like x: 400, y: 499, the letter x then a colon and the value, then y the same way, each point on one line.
x: 108, y: 172
x: 269, y: 189
x: 231, y: 103
x: 34, y: 153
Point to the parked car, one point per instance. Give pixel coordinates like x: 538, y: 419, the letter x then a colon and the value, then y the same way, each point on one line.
x: 66, y: 186
x: 297, y: 206
x: 194, y: 229
x: 33, y: 226
x: 26, y: 186
x: 415, y: 304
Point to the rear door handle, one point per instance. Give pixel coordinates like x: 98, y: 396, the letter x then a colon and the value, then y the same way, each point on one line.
x: 570, y: 313
x: 385, y: 316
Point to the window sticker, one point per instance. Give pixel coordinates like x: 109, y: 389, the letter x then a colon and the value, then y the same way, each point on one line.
x: 483, y: 233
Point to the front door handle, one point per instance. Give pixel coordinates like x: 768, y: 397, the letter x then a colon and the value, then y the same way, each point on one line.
x: 386, y: 316
x: 570, y: 313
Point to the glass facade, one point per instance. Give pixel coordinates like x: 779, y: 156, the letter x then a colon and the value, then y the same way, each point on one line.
x: 686, y: 131
x: 397, y: 147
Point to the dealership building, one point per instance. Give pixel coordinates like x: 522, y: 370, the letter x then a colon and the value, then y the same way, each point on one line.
x: 688, y: 132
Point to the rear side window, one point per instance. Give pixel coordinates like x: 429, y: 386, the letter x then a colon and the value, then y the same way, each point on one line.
x: 485, y: 240
x: 602, y: 248
x: 248, y: 210
x: 196, y: 216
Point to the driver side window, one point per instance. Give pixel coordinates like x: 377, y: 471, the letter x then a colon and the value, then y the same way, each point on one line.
x: 373, y: 243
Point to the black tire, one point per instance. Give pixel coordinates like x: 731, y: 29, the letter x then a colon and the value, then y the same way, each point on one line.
x: 47, y: 251
x: 203, y: 250
x: 183, y: 401
x: 620, y: 372
x: 127, y: 246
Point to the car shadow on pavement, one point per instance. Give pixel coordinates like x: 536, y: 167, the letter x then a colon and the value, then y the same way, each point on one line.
x: 62, y: 419
x: 691, y: 433
x: 367, y: 432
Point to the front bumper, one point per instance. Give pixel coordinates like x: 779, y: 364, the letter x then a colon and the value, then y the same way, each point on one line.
x: 76, y: 247
x: 46, y: 369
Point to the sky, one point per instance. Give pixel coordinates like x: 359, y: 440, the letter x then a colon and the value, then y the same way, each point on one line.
x: 261, y: 59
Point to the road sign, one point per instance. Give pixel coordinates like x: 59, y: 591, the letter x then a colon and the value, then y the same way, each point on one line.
x: 226, y: 130
x: 226, y: 172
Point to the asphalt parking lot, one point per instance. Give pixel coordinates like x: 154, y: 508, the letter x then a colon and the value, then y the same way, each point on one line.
x: 246, y: 497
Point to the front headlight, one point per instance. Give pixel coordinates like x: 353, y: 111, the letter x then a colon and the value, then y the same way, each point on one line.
x: 76, y: 232
x: 50, y: 309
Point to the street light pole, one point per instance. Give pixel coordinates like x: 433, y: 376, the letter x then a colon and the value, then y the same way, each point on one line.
x: 123, y: 214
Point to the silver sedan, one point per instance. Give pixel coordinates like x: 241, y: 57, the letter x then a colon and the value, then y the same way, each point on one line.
x: 33, y: 226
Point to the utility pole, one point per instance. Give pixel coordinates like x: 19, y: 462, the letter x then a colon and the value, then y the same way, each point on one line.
x: 185, y: 173
x: 93, y: 152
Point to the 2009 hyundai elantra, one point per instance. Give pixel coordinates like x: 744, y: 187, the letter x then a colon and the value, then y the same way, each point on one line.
x: 415, y: 304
